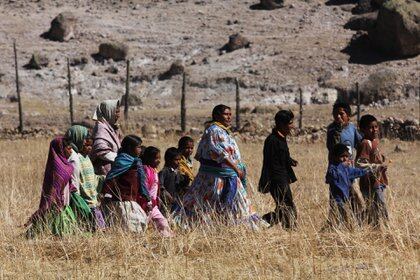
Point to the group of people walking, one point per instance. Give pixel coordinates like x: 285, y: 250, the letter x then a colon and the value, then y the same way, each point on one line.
x: 96, y: 179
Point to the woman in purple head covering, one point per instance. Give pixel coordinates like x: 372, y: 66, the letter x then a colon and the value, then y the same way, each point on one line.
x: 54, y: 213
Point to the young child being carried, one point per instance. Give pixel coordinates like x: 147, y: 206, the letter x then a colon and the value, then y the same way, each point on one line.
x: 173, y: 183
x: 151, y: 161
x: 372, y: 185
x: 339, y: 177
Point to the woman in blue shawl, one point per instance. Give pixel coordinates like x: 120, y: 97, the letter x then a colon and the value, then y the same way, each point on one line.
x: 123, y: 186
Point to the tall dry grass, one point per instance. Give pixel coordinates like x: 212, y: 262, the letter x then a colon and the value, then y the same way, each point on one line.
x: 219, y: 252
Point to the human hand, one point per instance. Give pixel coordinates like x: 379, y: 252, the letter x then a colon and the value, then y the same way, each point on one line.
x: 294, y: 162
x: 241, y: 174
x: 383, y: 167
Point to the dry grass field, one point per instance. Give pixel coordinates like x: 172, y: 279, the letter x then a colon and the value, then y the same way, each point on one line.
x: 219, y: 252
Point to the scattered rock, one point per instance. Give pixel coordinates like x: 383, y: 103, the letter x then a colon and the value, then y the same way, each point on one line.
x: 398, y: 149
x: 324, y: 96
x: 236, y: 41
x: 271, y: 4
x: 149, y: 131
x: 133, y: 100
x: 315, y: 137
x: 13, y: 98
x: 37, y: 61
x: 245, y: 110
x: 407, y: 130
x: 362, y: 22
x: 177, y: 68
x: 79, y: 61
x: 115, y: 51
x: 112, y: 69
x: 383, y: 84
x: 63, y: 28
x: 268, y: 5
x: 265, y: 109
x: 230, y: 22
x: 397, y: 31
x: 253, y: 127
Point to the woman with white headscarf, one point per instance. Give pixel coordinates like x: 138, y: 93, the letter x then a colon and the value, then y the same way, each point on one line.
x: 106, y: 135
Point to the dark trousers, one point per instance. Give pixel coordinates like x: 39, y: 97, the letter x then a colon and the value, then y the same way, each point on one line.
x: 285, y: 211
x: 375, y: 205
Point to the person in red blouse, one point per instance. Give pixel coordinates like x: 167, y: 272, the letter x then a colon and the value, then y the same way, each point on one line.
x: 372, y: 185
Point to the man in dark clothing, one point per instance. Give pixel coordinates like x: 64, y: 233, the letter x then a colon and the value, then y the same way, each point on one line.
x: 277, y: 173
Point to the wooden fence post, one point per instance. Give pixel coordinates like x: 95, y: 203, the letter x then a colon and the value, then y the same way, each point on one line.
x: 238, y: 105
x: 418, y: 91
x: 70, y: 94
x: 300, y: 108
x: 127, y: 91
x: 183, y: 108
x: 358, y: 103
x: 20, y: 128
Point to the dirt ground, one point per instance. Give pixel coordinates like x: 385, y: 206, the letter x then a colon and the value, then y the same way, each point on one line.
x: 292, y: 48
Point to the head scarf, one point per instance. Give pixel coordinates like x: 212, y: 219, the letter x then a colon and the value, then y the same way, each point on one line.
x: 76, y: 135
x: 106, y: 111
x: 57, y: 175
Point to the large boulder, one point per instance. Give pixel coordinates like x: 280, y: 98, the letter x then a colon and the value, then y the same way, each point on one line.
x: 397, y: 30
x: 63, y: 27
x: 37, y: 61
x: 362, y: 22
x: 115, y: 51
x: 236, y: 42
x: 381, y: 85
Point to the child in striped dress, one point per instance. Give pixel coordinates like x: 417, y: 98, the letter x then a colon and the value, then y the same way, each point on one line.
x: 90, y: 185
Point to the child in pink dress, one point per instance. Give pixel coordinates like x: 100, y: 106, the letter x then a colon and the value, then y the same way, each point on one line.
x: 151, y: 160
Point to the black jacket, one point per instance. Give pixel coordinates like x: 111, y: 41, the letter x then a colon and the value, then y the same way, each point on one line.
x: 277, y: 163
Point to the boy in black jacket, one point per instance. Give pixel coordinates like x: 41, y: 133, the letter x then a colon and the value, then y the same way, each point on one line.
x: 277, y: 173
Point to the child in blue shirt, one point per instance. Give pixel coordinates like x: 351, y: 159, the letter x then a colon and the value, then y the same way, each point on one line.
x: 342, y: 130
x: 339, y: 176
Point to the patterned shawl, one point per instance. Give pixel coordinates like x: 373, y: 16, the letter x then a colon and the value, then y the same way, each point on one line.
x: 57, y: 175
x: 123, y: 162
x: 76, y: 135
x: 105, y: 139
